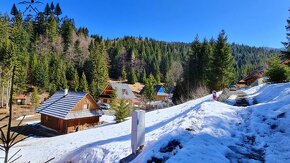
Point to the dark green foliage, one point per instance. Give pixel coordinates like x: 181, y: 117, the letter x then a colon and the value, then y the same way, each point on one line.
x: 35, y: 99
x: 149, y: 88
x: 287, y: 43
x: 44, y: 61
x: 132, y: 78
x: 14, y: 10
x: 83, y: 86
x: 47, y: 10
x: 123, y: 73
x: 222, y: 71
x: 74, y: 83
x: 57, y: 10
x: 277, y: 72
x: 122, y: 109
x: 67, y: 30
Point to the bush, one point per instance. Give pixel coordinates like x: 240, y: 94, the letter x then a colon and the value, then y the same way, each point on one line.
x: 122, y: 109
x: 277, y: 72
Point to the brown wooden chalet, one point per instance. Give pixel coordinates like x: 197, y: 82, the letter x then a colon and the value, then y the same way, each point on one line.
x: 67, y: 112
x: 123, y: 91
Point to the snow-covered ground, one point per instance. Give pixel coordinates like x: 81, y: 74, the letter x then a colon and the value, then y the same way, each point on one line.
x: 206, y: 130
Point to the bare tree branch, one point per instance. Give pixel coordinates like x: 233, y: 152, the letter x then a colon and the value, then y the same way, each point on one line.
x: 17, y: 127
x: 14, y: 154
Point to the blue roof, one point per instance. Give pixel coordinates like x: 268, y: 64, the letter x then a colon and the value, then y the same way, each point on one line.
x: 59, y: 105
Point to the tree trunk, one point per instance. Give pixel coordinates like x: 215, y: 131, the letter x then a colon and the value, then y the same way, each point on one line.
x: 9, y: 119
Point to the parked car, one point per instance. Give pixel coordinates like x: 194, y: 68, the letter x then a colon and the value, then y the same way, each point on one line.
x: 104, y: 106
x: 233, y: 88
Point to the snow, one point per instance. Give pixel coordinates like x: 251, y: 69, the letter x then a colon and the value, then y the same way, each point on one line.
x: 27, y: 116
x: 208, y: 131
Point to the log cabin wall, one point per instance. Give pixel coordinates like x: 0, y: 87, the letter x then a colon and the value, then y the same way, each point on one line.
x: 72, y: 124
x: 53, y: 123
x: 86, y: 100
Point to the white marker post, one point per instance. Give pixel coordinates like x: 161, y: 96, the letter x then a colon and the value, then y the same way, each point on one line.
x: 138, y: 130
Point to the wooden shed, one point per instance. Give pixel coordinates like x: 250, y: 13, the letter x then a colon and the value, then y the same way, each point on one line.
x: 68, y: 112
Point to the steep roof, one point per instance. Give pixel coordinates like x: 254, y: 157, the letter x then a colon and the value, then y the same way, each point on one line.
x: 160, y: 91
x: 59, y: 105
x: 123, y: 90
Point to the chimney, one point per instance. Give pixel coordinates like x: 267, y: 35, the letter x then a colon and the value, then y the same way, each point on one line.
x: 65, y: 92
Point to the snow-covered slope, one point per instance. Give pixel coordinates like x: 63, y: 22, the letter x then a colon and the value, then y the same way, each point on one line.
x: 206, y: 131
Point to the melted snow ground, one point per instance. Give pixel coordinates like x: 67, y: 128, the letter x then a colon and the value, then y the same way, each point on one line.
x: 209, y: 131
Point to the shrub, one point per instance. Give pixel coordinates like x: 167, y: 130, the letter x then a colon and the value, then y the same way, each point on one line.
x: 277, y: 72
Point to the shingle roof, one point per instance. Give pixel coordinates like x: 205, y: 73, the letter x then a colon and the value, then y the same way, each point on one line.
x: 120, y: 87
x: 59, y: 105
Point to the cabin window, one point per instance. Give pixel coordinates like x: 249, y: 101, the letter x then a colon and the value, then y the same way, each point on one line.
x: 46, y: 118
x: 85, y: 106
x: 125, y: 92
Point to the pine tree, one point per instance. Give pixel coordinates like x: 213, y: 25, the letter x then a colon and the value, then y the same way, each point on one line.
x: 14, y: 10
x: 57, y: 10
x: 144, y: 76
x: 122, y: 109
x: 35, y: 99
x: 123, y: 73
x: 222, y: 71
x: 62, y: 83
x: 277, y: 72
x: 287, y: 43
x: 52, y: 28
x: 98, y: 69
x: 75, y: 81
x: 132, y: 78
x: 83, y: 87
x: 52, y: 7
x: 149, y: 88
x: 47, y: 10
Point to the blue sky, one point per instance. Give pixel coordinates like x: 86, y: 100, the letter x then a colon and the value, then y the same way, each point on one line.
x: 251, y: 22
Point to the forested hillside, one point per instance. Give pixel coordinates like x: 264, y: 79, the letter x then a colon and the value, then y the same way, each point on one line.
x: 52, y: 53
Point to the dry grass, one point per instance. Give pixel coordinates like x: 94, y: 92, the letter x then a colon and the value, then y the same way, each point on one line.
x: 18, y: 111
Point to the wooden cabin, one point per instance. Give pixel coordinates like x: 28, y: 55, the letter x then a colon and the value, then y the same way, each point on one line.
x: 254, y: 75
x: 68, y: 112
x: 20, y: 99
x: 122, y: 91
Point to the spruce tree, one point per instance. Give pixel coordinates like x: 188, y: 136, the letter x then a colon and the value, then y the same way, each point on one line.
x: 57, y: 10
x: 222, y: 70
x: 122, y: 109
x: 132, y: 78
x: 149, y: 88
x: 35, y: 99
x: 52, y: 29
x: 287, y: 43
x: 123, y: 73
x: 47, y: 10
x: 75, y: 81
x: 83, y: 86
x: 14, y: 10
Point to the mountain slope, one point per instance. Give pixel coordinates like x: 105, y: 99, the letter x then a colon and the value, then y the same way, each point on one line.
x: 203, y: 130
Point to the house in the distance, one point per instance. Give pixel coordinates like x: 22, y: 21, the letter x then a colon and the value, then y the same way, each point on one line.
x: 67, y: 112
x: 159, y: 93
x: 20, y: 99
x: 122, y: 91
